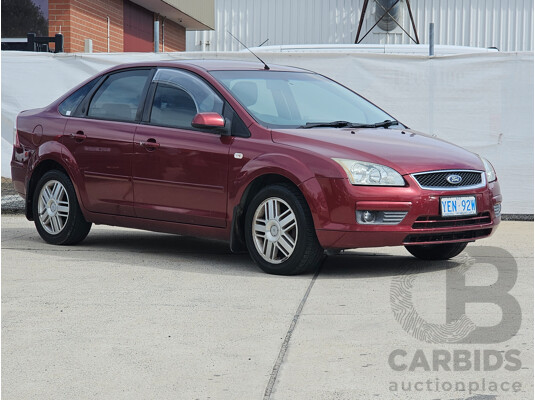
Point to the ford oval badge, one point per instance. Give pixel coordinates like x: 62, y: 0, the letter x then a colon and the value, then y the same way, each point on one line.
x: 454, y: 179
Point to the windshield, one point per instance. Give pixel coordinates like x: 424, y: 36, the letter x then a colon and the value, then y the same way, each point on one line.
x: 299, y: 100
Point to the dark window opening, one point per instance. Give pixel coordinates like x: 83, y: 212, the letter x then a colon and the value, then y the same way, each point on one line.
x: 119, y: 96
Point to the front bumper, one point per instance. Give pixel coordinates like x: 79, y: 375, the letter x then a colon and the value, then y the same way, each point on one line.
x: 337, y: 228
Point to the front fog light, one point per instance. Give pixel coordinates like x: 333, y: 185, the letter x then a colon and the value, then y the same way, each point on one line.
x: 497, y: 209
x: 376, y: 217
x: 368, y: 217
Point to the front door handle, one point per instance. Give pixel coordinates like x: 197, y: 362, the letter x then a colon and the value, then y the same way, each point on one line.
x: 78, y: 136
x: 150, y: 144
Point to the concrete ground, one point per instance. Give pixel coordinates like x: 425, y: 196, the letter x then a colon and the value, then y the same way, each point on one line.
x: 137, y: 315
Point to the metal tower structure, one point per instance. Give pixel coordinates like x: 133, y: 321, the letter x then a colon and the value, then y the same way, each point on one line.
x: 386, y: 19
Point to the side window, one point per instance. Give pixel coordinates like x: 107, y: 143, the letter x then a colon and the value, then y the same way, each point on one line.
x: 68, y: 106
x: 119, y: 96
x: 172, y: 106
x: 179, y: 96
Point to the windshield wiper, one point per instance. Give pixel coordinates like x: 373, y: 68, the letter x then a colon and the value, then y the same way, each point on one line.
x: 385, y: 124
x: 346, y: 124
x: 333, y: 124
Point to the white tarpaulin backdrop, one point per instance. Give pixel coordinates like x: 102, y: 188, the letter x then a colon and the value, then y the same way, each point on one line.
x: 483, y: 102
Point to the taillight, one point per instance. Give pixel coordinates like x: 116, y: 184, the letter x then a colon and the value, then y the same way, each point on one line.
x: 16, y: 141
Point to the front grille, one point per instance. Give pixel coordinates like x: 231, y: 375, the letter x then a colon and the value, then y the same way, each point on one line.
x: 429, y: 222
x: 448, y: 236
x: 438, y: 179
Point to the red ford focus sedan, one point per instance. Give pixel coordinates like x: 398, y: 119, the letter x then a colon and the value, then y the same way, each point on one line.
x: 279, y: 161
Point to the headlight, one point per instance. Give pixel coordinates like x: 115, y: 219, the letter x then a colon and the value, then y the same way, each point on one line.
x: 489, y: 169
x: 365, y: 173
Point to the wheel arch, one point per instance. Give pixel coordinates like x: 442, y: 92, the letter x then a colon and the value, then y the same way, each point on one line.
x: 44, y: 165
x: 237, y: 234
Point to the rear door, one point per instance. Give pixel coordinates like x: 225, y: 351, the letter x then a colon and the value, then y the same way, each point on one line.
x: 100, y: 136
x: 179, y: 172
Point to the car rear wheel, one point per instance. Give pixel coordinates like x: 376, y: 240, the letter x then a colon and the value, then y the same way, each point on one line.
x: 279, y: 232
x: 56, y: 212
x: 437, y: 251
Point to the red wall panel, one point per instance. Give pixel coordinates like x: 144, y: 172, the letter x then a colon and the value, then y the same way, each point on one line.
x: 138, y: 28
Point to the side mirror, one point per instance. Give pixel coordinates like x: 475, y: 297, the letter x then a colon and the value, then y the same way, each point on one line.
x: 208, y: 120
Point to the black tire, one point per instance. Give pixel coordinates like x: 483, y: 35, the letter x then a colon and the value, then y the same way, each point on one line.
x: 307, y: 253
x: 59, y: 229
x: 436, y: 251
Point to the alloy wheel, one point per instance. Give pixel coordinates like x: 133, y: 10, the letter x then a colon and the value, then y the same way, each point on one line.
x: 53, y: 207
x: 275, y: 230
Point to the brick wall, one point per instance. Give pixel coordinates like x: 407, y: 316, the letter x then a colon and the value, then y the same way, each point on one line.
x: 174, y: 36
x: 59, y: 14
x: 82, y: 19
x: 86, y: 19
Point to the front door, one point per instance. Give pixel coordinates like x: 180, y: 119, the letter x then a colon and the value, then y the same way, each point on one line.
x: 179, y: 172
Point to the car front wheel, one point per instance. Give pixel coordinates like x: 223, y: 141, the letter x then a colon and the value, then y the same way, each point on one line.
x: 279, y: 232
x: 56, y: 212
x: 437, y: 251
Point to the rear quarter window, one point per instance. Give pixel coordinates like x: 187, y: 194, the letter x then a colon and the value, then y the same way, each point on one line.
x: 69, y: 105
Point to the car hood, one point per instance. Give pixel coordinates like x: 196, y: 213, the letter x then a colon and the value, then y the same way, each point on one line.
x: 404, y: 150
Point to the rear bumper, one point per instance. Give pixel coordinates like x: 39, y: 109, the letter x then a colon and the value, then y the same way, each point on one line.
x: 18, y: 177
x: 338, y: 227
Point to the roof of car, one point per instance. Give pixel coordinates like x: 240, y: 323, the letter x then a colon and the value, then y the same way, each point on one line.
x: 216, y: 65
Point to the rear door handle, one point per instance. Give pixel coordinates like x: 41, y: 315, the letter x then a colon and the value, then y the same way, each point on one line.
x: 150, y: 144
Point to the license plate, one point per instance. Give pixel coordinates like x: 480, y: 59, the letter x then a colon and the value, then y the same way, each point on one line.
x: 455, y: 206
